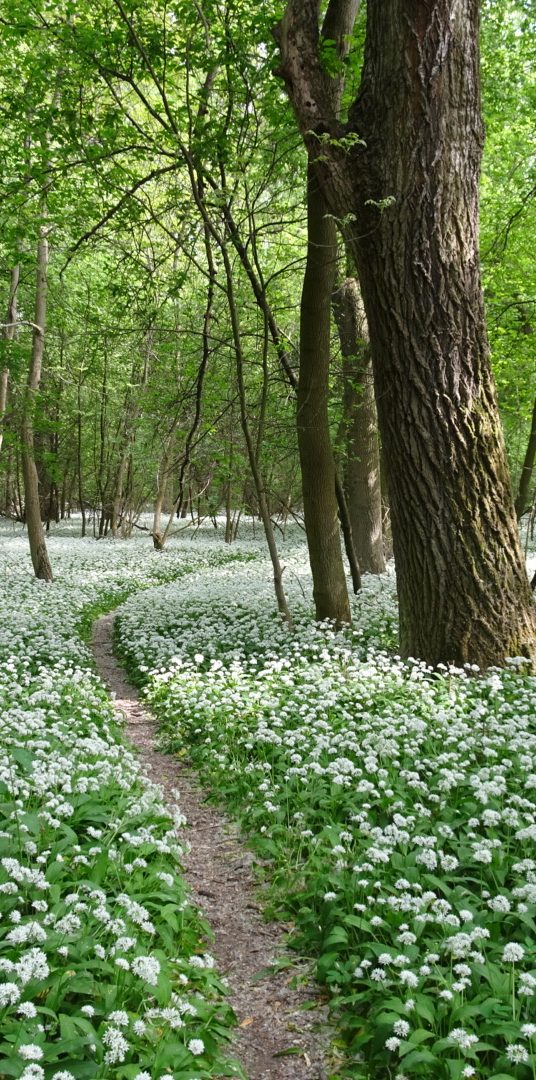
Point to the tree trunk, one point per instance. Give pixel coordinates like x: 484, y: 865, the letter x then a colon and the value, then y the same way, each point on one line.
x: 462, y: 581
x: 360, y: 421
x: 258, y: 480
x: 314, y: 442
x: 161, y: 487
x: 228, y: 514
x: 162, y: 479
x: 8, y: 335
x: 80, y: 466
x: 4, y: 383
x: 412, y: 186
x: 522, y: 500
x: 36, y: 535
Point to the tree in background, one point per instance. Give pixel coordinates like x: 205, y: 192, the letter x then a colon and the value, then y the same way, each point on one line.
x: 359, y: 428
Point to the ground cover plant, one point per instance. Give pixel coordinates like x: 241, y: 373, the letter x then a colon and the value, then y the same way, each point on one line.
x: 397, y: 804
x: 104, y: 964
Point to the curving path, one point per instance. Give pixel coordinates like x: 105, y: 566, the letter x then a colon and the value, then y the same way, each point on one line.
x: 219, y: 871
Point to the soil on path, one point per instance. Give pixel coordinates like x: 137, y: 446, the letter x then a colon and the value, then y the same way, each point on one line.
x: 219, y: 871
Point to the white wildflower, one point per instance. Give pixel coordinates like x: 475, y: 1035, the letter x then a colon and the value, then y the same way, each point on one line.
x: 392, y: 1044
x: 463, y: 1038
x: 513, y: 953
x: 402, y: 1028
x: 30, y: 1052
x: 196, y: 1047
x: 517, y: 1054
x: 9, y: 994
x: 147, y: 968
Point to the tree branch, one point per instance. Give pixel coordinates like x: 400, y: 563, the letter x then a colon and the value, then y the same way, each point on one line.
x: 117, y: 207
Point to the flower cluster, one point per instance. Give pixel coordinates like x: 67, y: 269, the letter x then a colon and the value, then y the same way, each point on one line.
x: 99, y: 942
x: 397, y: 806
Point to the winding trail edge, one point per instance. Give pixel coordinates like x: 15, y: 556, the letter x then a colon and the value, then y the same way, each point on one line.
x: 219, y: 871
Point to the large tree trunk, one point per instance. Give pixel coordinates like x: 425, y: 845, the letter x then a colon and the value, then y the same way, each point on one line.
x: 32, y: 510
x: 522, y: 499
x: 361, y: 470
x: 314, y: 442
x: 413, y: 188
x: 462, y: 582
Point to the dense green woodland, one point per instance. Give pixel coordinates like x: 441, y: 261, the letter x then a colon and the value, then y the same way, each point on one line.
x: 175, y: 188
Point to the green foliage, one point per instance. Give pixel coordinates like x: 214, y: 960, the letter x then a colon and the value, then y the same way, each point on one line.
x: 109, y: 113
x: 508, y: 210
x: 104, y: 962
x: 391, y: 806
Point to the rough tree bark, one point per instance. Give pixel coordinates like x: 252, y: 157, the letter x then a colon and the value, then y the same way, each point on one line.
x: 361, y: 470
x: 522, y: 498
x: 317, y: 464
x: 412, y: 187
x: 32, y: 510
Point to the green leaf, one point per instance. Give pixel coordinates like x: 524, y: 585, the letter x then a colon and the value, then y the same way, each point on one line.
x: 337, y: 936
x: 418, y: 1057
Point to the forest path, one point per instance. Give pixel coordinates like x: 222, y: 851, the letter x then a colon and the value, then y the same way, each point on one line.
x: 219, y: 871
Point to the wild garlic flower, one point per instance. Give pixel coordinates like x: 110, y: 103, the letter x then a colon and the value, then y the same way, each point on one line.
x: 147, y: 968
x: 513, y: 953
x: 463, y: 1038
x: 196, y: 1047
x: 517, y: 1054
x: 30, y: 1051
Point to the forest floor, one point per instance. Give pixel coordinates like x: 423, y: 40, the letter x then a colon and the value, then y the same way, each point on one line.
x: 383, y: 814
x: 276, y: 1039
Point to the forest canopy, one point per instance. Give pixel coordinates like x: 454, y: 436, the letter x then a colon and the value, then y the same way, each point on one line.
x: 156, y: 228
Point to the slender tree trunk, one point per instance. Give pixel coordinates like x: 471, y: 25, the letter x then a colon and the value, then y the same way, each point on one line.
x: 256, y: 473
x: 202, y: 370
x: 180, y: 508
x: 159, y: 537
x: 118, y: 496
x: 412, y: 186
x: 361, y: 469
x: 80, y: 466
x: 522, y: 500
x: 347, y: 534
x: 102, y: 483
x: 228, y: 513
x: 314, y: 442
x: 36, y: 535
x: 8, y: 335
x: 254, y: 274
x: 18, y: 491
x: 4, y: 383
x: 9, y: 501
x: 162, y: 482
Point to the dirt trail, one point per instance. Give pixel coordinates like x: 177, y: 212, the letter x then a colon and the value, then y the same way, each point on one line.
x: 219, y: 871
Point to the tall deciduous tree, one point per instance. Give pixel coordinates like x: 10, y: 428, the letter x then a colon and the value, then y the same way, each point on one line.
x: 361, y: 464
x: 523, y: 493
x: 32, y: 507
x: 406, y: 167
x: 8, y: 334
x: 316, y: 456
x: 314, y: 440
